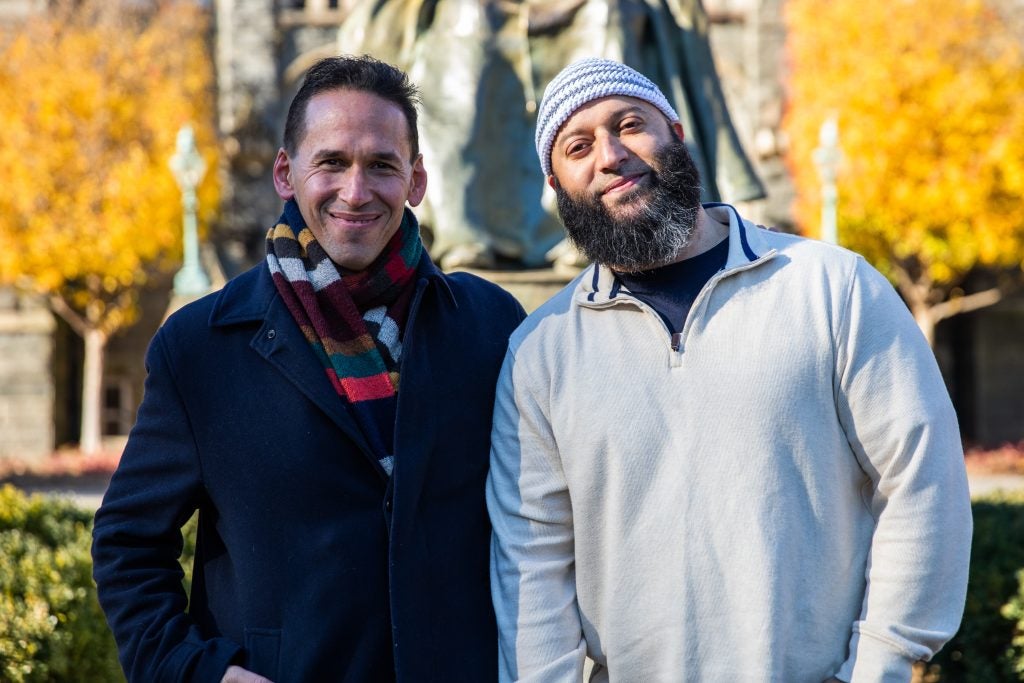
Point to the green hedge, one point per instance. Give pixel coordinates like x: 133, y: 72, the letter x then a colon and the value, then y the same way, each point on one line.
x: 1014, y: 611
x: 989, y: 648
x: 51, y: 627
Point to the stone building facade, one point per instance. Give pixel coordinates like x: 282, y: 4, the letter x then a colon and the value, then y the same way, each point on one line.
x: 27, y: 386
x: 14, y: 10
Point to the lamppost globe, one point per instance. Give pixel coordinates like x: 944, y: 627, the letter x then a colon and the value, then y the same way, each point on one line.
x: 187, y: 164
x: 189, y: 168
x: 827, y: 157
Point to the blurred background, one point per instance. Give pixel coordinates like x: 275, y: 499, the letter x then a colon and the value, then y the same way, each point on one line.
x: 894, y: 128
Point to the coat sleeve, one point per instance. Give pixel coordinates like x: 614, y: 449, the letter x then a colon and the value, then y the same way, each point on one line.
x: 137, y: 541
x: 533, y: 581
x: 901, y: 425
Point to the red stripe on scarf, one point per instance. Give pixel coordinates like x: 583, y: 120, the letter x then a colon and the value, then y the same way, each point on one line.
x: 396, y: 268
x: 367, y: 388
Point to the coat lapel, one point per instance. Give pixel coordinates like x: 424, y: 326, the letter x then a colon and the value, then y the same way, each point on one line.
x: 416, y: 421
x: 414, y: 435
x: 281, y: 343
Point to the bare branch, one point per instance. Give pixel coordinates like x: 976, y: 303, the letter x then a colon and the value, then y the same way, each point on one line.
x: 914, y: 290
x: 967, y: 303
x: 77, y: 322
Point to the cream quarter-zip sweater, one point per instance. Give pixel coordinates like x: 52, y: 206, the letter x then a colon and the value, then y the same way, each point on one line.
x: 782, y: 498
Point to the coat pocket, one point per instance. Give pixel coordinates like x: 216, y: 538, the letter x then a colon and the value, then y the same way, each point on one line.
x: 262, y: 651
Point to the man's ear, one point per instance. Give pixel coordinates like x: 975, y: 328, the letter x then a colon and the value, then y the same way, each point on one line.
x: 552, y: 182
x: 418, y: 182
x: 677, y: 128
x: 283, y: 175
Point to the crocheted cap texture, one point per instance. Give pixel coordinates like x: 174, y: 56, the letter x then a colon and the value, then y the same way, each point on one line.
x: 585, y: 81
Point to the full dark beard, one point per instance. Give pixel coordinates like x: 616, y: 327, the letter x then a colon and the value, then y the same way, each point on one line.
x: 653, y: 234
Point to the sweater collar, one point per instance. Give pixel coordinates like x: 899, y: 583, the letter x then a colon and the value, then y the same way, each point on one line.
x: 599, y: 286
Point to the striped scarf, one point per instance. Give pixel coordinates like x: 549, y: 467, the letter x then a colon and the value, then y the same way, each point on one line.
x: 353, y: 321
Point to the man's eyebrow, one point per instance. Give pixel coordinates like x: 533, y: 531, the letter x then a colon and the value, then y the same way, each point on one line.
x: 388, y: 155
x: 615, y: 115
x: 322, y: 154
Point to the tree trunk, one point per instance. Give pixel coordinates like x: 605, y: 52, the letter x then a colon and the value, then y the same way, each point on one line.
x: 923, y: 316
x: 92, y: 391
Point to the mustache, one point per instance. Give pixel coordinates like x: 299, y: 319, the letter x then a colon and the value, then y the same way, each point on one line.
x: 613, y: 177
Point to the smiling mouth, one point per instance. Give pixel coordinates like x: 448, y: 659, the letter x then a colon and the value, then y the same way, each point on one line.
x: 354, y: 220
x: 623, y: 183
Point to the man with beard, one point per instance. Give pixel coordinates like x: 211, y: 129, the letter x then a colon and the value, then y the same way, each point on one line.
x: 722, y: 453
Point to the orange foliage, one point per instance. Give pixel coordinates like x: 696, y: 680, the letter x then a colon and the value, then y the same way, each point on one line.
x: 91, y: 98
x: 930, y: 101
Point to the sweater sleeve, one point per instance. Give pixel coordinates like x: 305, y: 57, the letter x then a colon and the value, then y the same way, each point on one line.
x: 137, y: 542
x: 533, y: 580
x: 901, y: 425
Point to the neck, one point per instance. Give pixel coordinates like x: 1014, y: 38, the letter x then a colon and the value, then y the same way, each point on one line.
x: 707, y: 234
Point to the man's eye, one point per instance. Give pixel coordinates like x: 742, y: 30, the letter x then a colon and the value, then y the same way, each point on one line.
x: 576, y: 148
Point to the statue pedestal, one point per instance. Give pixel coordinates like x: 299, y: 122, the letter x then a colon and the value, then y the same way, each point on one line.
x: 530, y: 287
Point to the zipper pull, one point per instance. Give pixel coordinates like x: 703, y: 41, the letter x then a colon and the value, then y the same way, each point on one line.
x: 677, y: 341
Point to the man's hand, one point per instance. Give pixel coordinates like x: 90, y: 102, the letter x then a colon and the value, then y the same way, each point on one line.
x: 236, y: 674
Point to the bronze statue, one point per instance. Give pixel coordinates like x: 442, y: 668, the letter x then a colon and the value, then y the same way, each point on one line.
x: 482, y: 66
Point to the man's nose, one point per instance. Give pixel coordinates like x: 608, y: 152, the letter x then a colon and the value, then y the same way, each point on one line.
x: 355, y: 187
x: 611, y: 153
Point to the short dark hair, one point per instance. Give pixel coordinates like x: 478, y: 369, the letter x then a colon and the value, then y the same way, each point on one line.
x: 362, y: 73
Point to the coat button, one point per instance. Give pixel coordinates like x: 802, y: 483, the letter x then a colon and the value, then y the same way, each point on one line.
x: 271, y: 334
x: 387, y: 505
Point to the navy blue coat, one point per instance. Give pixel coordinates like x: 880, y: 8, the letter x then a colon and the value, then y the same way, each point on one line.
x: 311, y: 565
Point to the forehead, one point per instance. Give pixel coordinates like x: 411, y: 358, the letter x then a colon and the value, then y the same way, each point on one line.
x: 603, y: 110
x: 356, y: 118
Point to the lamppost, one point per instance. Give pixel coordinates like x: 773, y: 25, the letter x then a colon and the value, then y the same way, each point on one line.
x: 827, y: 157
x: 188, y: 168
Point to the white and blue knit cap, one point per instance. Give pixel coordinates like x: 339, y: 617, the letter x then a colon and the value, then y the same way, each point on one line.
x: 585, y: 81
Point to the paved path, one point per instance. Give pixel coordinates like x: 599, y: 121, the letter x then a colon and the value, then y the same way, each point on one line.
x: 88, y: 491
x: 983, y: 484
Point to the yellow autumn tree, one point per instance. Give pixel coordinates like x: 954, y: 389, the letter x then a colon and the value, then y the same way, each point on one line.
x: 929, y: 96
x: 92, y: 94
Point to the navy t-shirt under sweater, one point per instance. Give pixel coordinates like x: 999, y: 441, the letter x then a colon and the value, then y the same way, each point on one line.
x: 671, y: 290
